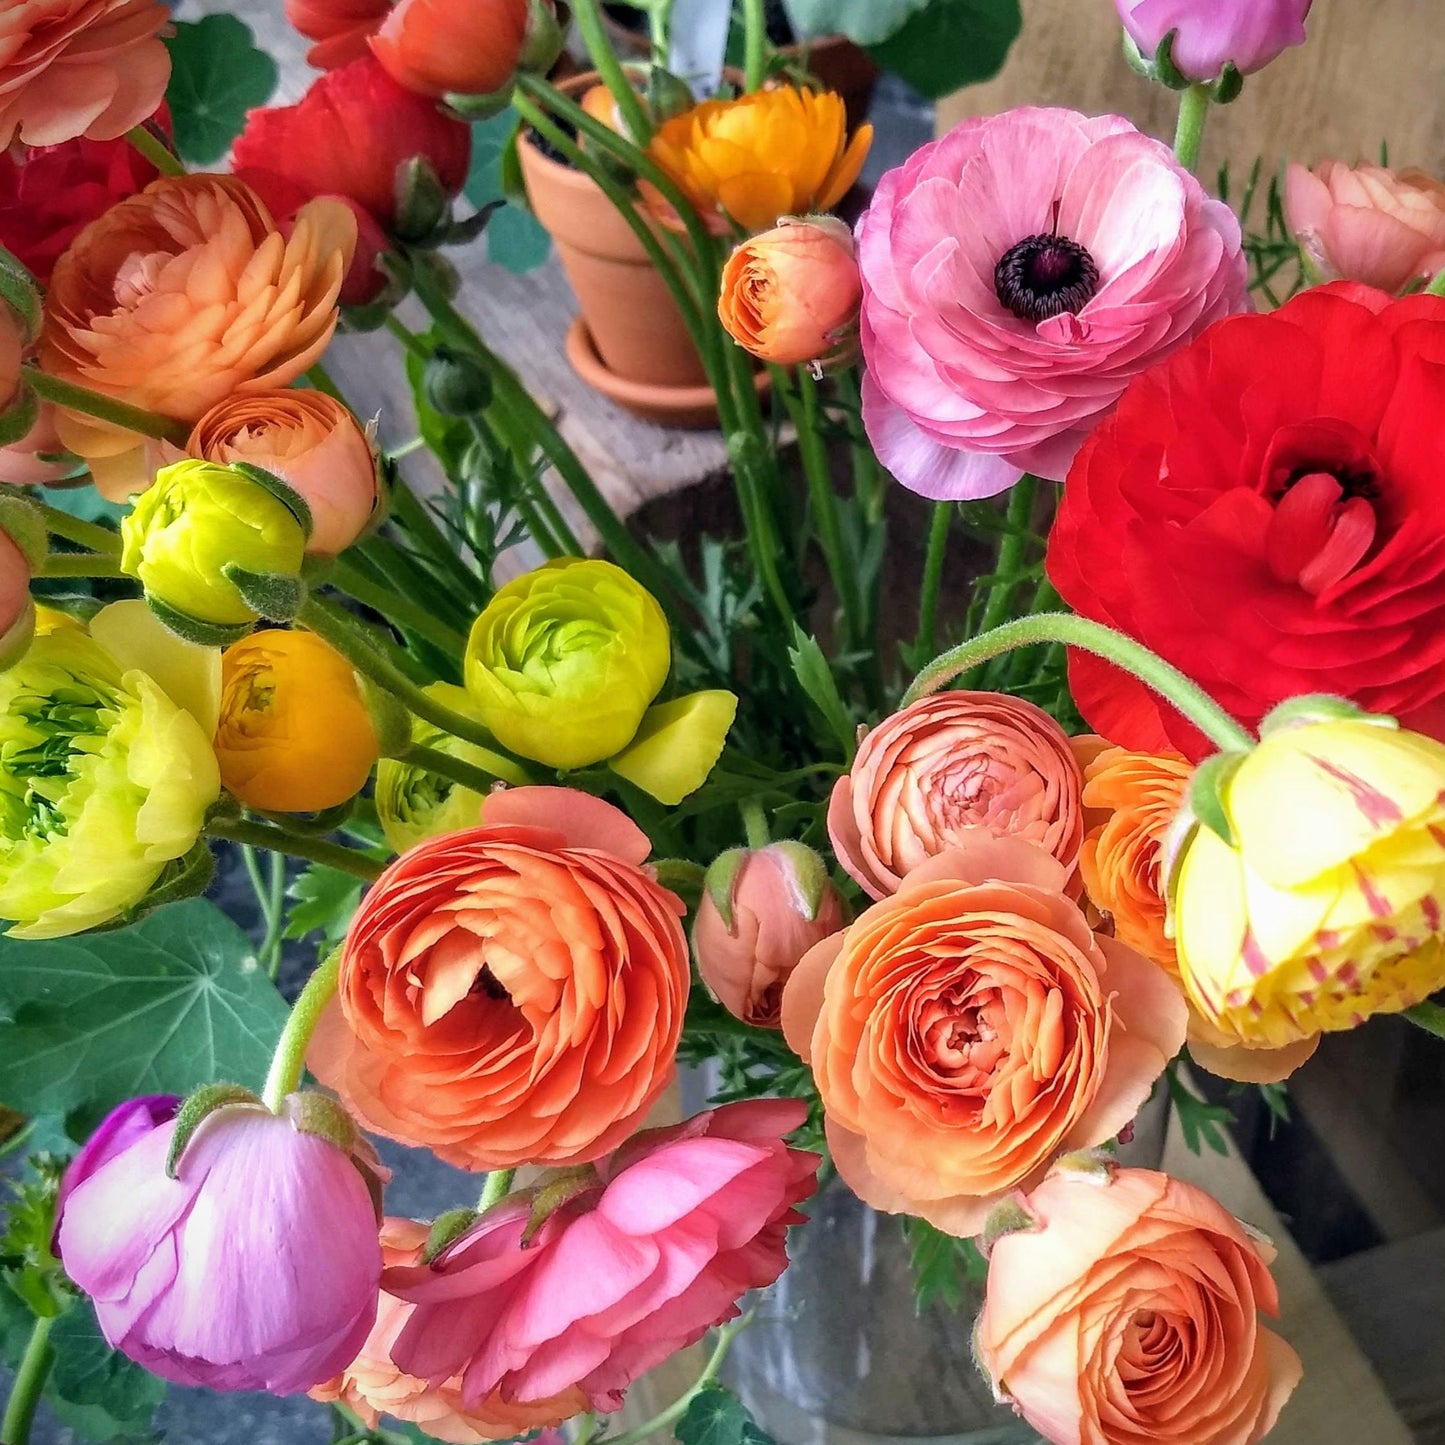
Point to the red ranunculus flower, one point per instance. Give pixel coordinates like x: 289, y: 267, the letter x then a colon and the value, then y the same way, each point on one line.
x: 1264, y: 511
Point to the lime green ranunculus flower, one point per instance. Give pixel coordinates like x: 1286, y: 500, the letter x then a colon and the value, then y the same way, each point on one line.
x: 564, y: 662
x: 197, y: 519
x: 103, y: 782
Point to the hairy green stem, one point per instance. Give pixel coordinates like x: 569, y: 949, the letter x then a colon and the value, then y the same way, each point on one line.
x: 938, y: 531
x: 588, y: 16
x: 755, y: 44
x: 755, y: 823
x: 73, y: 529
x: 289, y: 1061
x: 409, y: 615
x: 29, y: 1383
x: 296, y: 845
x: 104, y: 408
x: 1189, y: 136
x: 498, y: 1185
x: 160, y: 156
x: 81, y: 564
x: 467, y: 775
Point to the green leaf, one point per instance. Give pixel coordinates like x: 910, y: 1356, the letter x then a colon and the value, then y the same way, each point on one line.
x: 717, y: 1417
x: 322, y: 900
x: 515, y: 238
x: 172, y: 1003
x: 951, y: 43
x: 1199, y: 1122
x: 94, y: 1389
x: 217, y: 75
x: 942, y: 1265
x: 816, y: 678
x: 448, y: 437
x: 864, y: 22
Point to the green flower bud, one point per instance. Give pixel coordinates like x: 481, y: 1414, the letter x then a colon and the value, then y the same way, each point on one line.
x: 456, y: 384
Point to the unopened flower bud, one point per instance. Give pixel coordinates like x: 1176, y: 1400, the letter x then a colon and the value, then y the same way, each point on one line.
x: 456, y: 384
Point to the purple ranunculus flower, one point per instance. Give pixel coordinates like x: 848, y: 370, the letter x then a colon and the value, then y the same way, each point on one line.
x: 1210, y: 34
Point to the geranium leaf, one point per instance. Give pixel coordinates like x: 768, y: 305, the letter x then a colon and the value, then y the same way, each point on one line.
x: 217, y: 75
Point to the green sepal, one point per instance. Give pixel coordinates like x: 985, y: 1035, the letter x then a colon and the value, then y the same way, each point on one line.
x: 542, y: 40
x: 445, y: 1231
x: 480, y: 107
x: 197, y: 629
x: 1163, y: 68
x: 1137, y: 61
x: 197, y: 1109
x: 282, y: 490
x: 1319, y: 708
x: 275, y: 596
x: 465, y: 231
x: 721, y: 875
x: 389, y: 719
x: 1206, y: 793
x: 439, y: 272
x: 17, y: 418
x: 1087, y: 1165
x: 24, y: 523
x: 1230, y: 85
x: 513, y: 186
x: 422, y: 203
x: 188, y: 877
x: 21, y: 293
x: 558, y: 1188
x: 322, y: 1116
x: 810, y: 873
x: 1005, y: 1218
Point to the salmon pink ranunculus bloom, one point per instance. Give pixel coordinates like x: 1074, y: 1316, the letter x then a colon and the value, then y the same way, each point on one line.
x: 1017, y: 274
x: 513, y: 993
x: 646, y: 1256
x: 73, y: 68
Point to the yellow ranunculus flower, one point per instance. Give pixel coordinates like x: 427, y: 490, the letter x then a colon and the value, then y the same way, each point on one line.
x: 778, y: 152
x: 195, y: 521
x: 564, y: 661
x: 294, y: 734
x: 104, y: 780
x: 677, y: 745
x: 1328, y: 905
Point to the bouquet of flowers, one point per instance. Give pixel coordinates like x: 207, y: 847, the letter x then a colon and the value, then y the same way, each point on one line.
x: 1150, y: 776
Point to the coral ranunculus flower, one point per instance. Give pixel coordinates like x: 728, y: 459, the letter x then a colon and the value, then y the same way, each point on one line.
x: 73, y: 68
x: 1270, y: 499
x: 1128, y: 1314
x: 182, y: 295
x: 513, y: 993
x: 779, y: 152
x: 340, y: 28
x: 971, y: 1028
x: 1017, y: 273
x: 437, y: 47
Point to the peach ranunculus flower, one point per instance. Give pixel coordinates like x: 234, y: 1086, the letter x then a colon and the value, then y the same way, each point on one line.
x: 513, y: 993
x: 926, y: 777
x: 373, y: 1385
x: 779, y: 152
x: 1381, y: 227
x: 970, y: 1029
x: 183, y: 295
x: 1127, y: 1313
x: 309, y: 440
x: 71, y: 68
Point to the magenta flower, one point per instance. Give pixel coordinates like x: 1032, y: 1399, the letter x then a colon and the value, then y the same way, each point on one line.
x: 654, y: 1248
x: 1210, y: 34
x: 1018, y: 273
x: 256, y: 1268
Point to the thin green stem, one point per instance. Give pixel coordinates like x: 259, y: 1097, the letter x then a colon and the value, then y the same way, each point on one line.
x: 73, y: 529
x: 496, y: 1189
x: 586, y: 1429
x: 938, y: 531
x: 1187, y: 697
x: 81, y: 564
x: 467, y: 775
x: 319, y: 379
x: 104, y: 408
x: 1437, y: 286
x: 1428, y: 1016
x: 415, y: 518
x: 296, y: 845
x: 755, y: 823
x: 396, y: 608
x: 588, y: 15
x: 869, y: 479
x: 755, y: 44
x: 289, y: 1061
x: 271, y: 945
x: 1011, y: 552
x: 408, y: 338
x: 29, y: 1383
x: 1193, y: 112
x: 159, y: 155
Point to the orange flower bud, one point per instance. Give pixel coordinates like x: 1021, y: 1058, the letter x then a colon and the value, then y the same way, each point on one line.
x: 437, y: 47
x: 791, y: 295
x: 294, y: 735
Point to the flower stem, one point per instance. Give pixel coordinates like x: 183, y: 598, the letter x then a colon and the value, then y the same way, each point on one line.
x: 296, y: 845
x: 933, y: 576
x: 1193, y: 112
x: 289, y: 1061
x: 394, y: 607
x: 1191, y: 701
x: 167, y: 163
x: 496, y: 1189
x: 81, y: 564
x: 73, y: 529
x: 755, y: 823
x: 29, y: 1383
x: 467, y: 775
x: 104, y: 408
x: 755, y: 43
x: 588, y: 15
x: 1010, y: 554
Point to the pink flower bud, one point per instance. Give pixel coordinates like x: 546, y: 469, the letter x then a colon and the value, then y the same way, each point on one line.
x: 256, y: 1267
x: 760, y: 913
x: 1210, y: 34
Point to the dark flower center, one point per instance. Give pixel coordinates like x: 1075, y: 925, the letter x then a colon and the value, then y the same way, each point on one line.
x: 487, y: 983
x: 1045, y: 276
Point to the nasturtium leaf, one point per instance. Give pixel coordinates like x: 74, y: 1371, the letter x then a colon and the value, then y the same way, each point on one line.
x: 865, y: 22
x: 217, y: 75
x: 174, y: 1002
x: 948, y: 44
x: 92, y: 1388
x: 515, y: 238
x: 717, y: 1417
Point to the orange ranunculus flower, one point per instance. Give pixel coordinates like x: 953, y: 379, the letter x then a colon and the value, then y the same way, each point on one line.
x: 791, y: 295
x: 927, y: 777
x: 309, y: 440
x: 778, y: 152
x: 968, y: 1030
x: 373, y: 1385
x: 72, y: 68
x: 182, y: 295
x: 294, y: 734
x: 437, y: 47
x: 1127, y: 1313
x: 513, y: 993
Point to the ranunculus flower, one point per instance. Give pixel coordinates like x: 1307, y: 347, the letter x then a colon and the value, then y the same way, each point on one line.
x: 309, y: 440
x: 790, y: 296
x: 373, y: 1384
x: 256, y: 1267
x: 927, y: 777
x: 129, y: 771
x: 761, y: 911
x: 783, y: 151
x: 1268, y: 500
x: 1017, y: 274
x: 1381, y: 227
x: 39, y: 457
x: 71, y: 69
x: 639, y: 1263
x: 126, y: 313
x: 968, y: 1030
x: 1128, y: 1314
x: 1326, y: 906
x: 1210, y: 34
x: 295, y: 735
x: 17, y: 610
x: 340, y: 28
x: 436, y: 48
x: 125, y: 1125
x: 513, y: 993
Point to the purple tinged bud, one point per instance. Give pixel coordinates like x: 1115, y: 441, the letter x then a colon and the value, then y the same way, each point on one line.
x: 1208, y: 35
x: 125, y: 1125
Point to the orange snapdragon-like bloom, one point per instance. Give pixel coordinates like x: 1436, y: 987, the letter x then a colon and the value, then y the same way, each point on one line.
x: 72, y: 68
x: 183, y: 295
x: 778, y: 152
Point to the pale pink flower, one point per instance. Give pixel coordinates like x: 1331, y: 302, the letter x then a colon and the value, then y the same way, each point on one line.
x: 39, y: 457
x: 1210, y: 34
x: 1018, y: 273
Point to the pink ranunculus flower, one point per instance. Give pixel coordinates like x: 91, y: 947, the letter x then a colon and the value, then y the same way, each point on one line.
x: 257, y: 1267
x: 1381, y: 227
x: 39, y: 457
x: 642, y: 1261
x: 1018, y: 273
x: 1210, y: 34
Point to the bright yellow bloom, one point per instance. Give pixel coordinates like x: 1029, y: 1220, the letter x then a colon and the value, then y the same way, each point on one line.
x: 778, y: 152
x: 1328, y: 905
x: 294, y: 735
x: 677, y: 745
